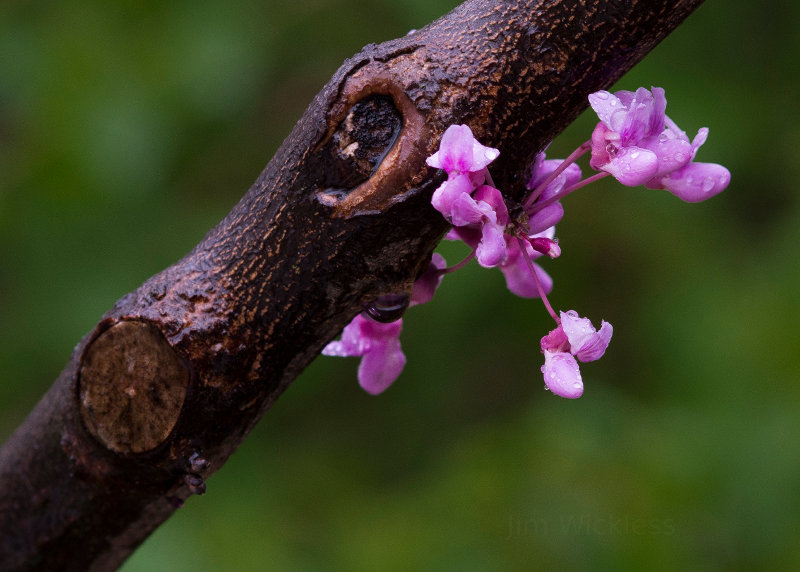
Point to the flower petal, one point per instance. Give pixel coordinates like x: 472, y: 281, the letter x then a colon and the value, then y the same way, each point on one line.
x: 555, y: 341
x: 541, y: 169
x: 493, y: 198
x: 637, y: 119
x: 465, y: 210
x: 447, y: 193
x: 492, y: 249
x: 519, y: 280
x: 697, y: 181
x: 351, y: 344
x: 609, y: 109
x: 381, y: 366
x: 425, y: 286
x: 562, y: 375
x: 594, y: 348
x: 545, y: 218
x: 459, y: 152
x: 455, y: 150
x: 360, y: 335
x: 632, y: 166
x: 586, y: 343
x: 658, y: 117
x: 672, y: 152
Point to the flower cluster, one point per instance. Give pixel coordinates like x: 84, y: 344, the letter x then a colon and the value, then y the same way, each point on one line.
x: 638, y: 144
x: 634, y: 142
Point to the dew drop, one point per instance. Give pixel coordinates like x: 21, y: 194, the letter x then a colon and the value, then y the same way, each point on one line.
x: 388, y: 307
x: 708, y: 184
x: 634, y: 154
x: 602, y: 95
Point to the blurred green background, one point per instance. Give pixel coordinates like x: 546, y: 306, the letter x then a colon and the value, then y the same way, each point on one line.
x: 128, y: 129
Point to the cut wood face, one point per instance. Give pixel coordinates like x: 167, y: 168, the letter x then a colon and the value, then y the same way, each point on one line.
x: 132, y: 386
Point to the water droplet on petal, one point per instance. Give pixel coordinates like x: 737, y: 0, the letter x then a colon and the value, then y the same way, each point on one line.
x: 708, y: 184
x: 634, y: 154
x: 388, y: 307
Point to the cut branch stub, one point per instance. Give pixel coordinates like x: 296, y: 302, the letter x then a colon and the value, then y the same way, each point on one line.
x: 374, y: 94
x: 132, y: 386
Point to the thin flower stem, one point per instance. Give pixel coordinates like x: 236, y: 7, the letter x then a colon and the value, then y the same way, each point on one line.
x: 542, y: 295
x: 458, y: 266
x: 574, y: 156
x: 583, y: 183
x: 568, y: 190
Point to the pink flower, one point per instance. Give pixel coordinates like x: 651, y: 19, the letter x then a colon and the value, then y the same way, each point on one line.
x: 540, y: 219
x: 680, y: 175
x: 575, y: 337
x: 464, y: 160
x: 626, y: 119
x: 378, y: 346
x: 429, y: 281
x: 459, y: 152
x: 638, y: 144
x: 487, y: 213
x: 519, y: 279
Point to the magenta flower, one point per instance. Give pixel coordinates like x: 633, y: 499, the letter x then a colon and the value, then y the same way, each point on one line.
x: 464, y: 160
x: 678, y: 173
x: 377, y: 345
x: 486, y: 213
x: 459, y: 152
x: 519, y: 279
x: 540, y: 219
x: 575, y: 337
x: 429, y: 281
x: 626, y: 119
x: 638, y: 144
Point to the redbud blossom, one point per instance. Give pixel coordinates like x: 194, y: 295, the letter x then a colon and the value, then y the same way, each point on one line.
x: 626, y: 119
x: 542, y: 218
x: 378, y: 346
x: 575, y: 337
x: 429, y: 281
x: 464, y: 160
x: 638, y: 144
x: 519, y: 279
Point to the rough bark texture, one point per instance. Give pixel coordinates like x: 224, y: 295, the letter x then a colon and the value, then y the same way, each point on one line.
x: 176, y: 374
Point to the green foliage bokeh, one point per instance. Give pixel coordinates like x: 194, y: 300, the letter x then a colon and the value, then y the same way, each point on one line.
x: 128, y: 129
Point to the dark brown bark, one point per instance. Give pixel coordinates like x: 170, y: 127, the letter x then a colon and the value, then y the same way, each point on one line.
x: 176, y: 374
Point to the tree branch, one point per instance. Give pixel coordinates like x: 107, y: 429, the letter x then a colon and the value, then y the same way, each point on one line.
x: 176, y: 374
